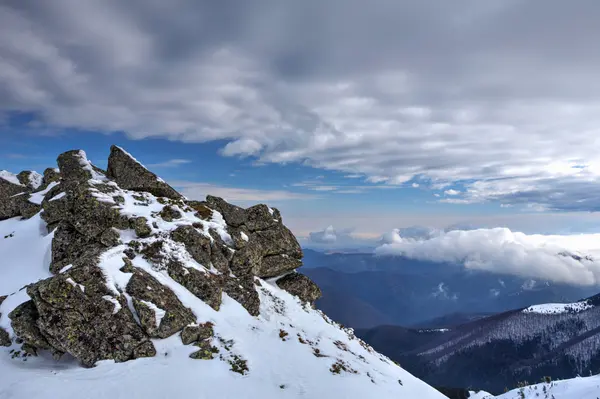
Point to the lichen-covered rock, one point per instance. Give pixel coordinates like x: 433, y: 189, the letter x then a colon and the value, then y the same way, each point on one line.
x: 169, y: 213
x: 301, y: 286
x: 205, y: 352
x: 90, y: 215
x: 141, y: 227
x: 80, y: 322
x: 32, y: 180
x: 28, y: 209
x: 196, y: 243
x: 56, y: 210
x: 259, y: 217
x: 24, y: 323
x: 202, y: 210
x: 74, y: 166
x: 277, y: 240
x: 275, y: 265
x: 195, y: 333
x: 234, y: 215
x: 11, y: 197
x: 151, y: 297
x: 4, y: 338
x: 244, y: 292
x: 246, y: 259
x: 206, y: 286
x: 131, y: 175
x: 68, y: 245
x: 110, y: 237
x: 50, y: 175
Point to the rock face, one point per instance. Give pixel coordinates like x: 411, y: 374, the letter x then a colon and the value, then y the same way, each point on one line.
x: 301, y: 286
x: 125, y: 246
x: 131, y: 175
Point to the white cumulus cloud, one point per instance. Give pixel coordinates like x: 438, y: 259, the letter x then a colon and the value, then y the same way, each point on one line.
x: 573, y: 259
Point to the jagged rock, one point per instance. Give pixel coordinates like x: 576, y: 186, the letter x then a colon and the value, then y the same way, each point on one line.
x: 74, y: 166
x: 110, y: 237
x: 89, y: 215
x: 24, y: 323
x: 196, y: 243
x: 206, y: 351
x: 2, y: 298
x: 4, y: 338
x: 141, y: 227
x: 240, y: 236
x: 233, y: 215
x: 278, y: 240
x: 202, y: 211
x: 191, y: 334
x: 28, y: 209
x: 151, y: 297
x: 57, y: 209
x: 68, y: 245
x: 244, y: 292
x: 50, y: 175
x: 31, y: 180
x: 131, y: 175
x: 259, y: 218
x: 206, y: 286
x: 168, y: 213
x: 10, y: 199
x: 78, y: 321
x: 246, y: 259
x: 301, y: 286
x: 275, y: 265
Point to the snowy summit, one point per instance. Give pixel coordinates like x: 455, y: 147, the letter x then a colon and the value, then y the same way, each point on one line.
x: 113, y: 284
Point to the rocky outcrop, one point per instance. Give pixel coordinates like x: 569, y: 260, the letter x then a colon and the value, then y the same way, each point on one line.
x: 117, y: 236
x: 12, y: 193
x: 301, y: 286
x: 131, y: 175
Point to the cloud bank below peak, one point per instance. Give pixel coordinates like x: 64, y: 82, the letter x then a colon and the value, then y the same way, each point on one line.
x: 489, y: 96
x: 573, y: 259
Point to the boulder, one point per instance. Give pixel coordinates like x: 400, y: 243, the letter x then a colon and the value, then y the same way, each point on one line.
x: 74, y: 167
x: 4, y: 338
x: 204, y: 285
x: 243, y: 291
x: 301, y: 286
x: 10, y: 196
x: 141, y: 227
x: 196, y: 243
x: 195, y: 333
x: 74, y: 318
x: 169, y: 213
x: 30, y: 179
x: 50, y: 175
x: 160, y: 311
x: 259, y: 217
x: 131, y: 175
x: 277, y: 240
x: 233, y: 215
x: 275, y: 265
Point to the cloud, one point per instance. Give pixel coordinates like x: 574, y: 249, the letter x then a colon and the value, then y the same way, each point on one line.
x: 492, y: 96
x: 245, y: 196
x: 171, y: 163
x: 573, y: 259
x: 331, y: 236
x: 451, y: 192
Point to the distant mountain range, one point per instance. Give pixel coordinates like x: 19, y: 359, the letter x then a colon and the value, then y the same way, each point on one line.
x: 560, y: 341
x: 362, y: 290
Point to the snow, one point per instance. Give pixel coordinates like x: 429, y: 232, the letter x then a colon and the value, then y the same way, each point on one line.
x: 58, y: 196
x: 87, y: 165
x: 37, y: 198
x: 76, y: 285
x: 114, y: 302
x: 244, y: 236
x: 9, y: 177
x: 35, y: 180
x: 271, y: 211
x: 158, y: 312
x: 557, y: 308
x: 25, y: 258
x: 574, y: 388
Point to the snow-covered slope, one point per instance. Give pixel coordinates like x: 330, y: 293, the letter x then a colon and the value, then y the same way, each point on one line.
x: 575, y: 388
x: 288, y: 350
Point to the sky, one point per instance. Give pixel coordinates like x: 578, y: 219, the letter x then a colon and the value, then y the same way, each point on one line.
x: 352, y: 117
